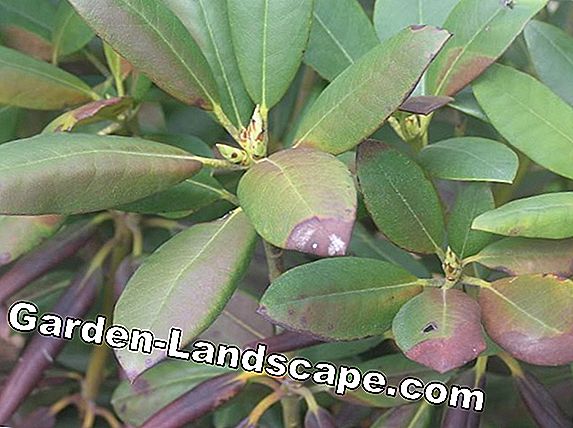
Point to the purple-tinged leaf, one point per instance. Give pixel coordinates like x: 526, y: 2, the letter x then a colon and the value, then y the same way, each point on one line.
x: 531, y: 317
x: 319, y: 418
x: 42, y: 417
x: 425, y: 105
x: 287, y: 341
x: 409, y: 415
x: 301, y: 199
x: 440, y: 329
x: 456, y: 417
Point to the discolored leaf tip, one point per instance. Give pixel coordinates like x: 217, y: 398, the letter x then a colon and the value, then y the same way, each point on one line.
x: 322, y: 237
x: 438, y: 354
x: 370, y: 148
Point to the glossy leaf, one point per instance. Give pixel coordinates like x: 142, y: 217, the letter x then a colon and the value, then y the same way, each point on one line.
x: 270, y: 37
x: 482, y: 30
x: 401, y: 200
x: 364, y: 244
x: 470, y: 159
x: 341, y: 34
x: 339, y: 299
x: 526, y: 112
x: 551, y: 51
x: 301, y: 199
x: 70, y: 32
x: 208, y: 23
x: 136, y: 402
x: 185, y: 270
x: 440, y: 329
x: 531, y: 318
x: 73, y: 173
x: 523, y: 256
x: 92, y: 112
x: 239, y: 324
x: 360, y: 99
x: 27, y: 26
x: 30, y: 83
x: 473, y: 200
x: 543, y: 216
x: 151, y: 37
x: 18, y: 235
x: 391, y: 16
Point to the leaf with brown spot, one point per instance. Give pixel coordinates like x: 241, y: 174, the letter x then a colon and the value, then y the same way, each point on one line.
x: 440, y: 328
x: 340, y: 299
x: 524, y: 256
x: 301, y: 199
x: 483, y: 30
x: 531, y: 318
x: 424, y: 104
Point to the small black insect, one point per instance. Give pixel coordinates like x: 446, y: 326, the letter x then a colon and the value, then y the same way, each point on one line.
x: 508, y: 3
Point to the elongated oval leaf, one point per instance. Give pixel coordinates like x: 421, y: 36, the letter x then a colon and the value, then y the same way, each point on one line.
x: 200, y: 265
x: 544, y: 216
x: 8, y: 123
x: 301, y: 199
x: 524, y: 256
x: 138, y: 401
x: 529, y: 116
x: 18, y: 235
x: 360, y: 99
x: 341, y: 33
x: 208, y: 23
x: 551, y: 51
x: 30, y: 83
x: 473, y: 200
x: 340, y: 299
x: 470, y: 159
x: 440, y: 329
x: 151, y: 37
x: 483, y: 30
x: 401, y: 200
x: 270, y: 37
x: 531, y: 318
x: 391, y: 16
x: 73, y: 173
x: 70, y: 32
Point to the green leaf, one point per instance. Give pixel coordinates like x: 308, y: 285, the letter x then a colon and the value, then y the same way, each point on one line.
x: 531, y: 318
x: 239, y: 323
x: 201, y: 265
x: 73, y: 173
x: 524, y: 256
x: 364, y: 244
x: 360, y: 99
x: 18, y: 235
x: 29, y: 83
x: 401, y: 200
x: 270, y: 37
x: 93, y: 112
x: 70, y: 32
x: 341, y: 34
x: 8, y: 123
x: 339, y: 299
x: 470, y: 159
x: 138, y: 401
x: 544, y: 216
x: 301, y: 199
x: 440, y: 329
x: 473, y: 200
x: 208, y: 23
x: 151, y: 37
x: 483, y: 30
x: 526, y: 112
x: 391, y: 16
x: 551, y: 51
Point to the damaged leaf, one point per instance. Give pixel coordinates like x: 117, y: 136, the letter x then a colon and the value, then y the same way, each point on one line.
x: 183, y: 266
x: 360, y: 99
x: 544, y: 216
x: 73, y: 173
x: 440, y: 329
x: 340, y: 299
x: 482, y: 31
x: 424, y: 105
x: 401, y: 200
x: 301, y: 199
x: 530, y: 317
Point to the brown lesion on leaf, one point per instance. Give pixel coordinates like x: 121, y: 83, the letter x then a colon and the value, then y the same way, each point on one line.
x: 26, y: 42
x: 453, y: 81
x: 325, y: 237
